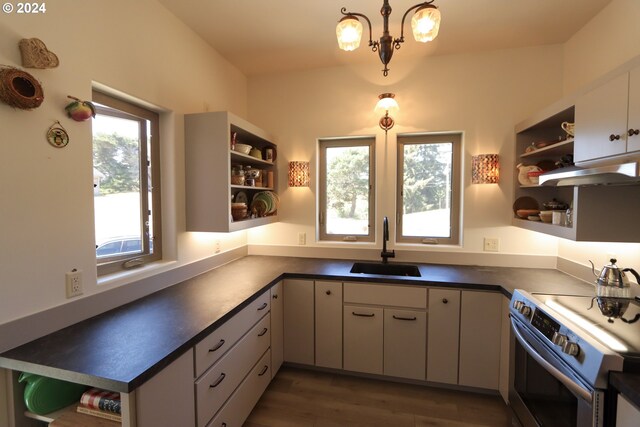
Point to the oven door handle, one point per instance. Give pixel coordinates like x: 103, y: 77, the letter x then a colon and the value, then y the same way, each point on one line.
x: 575, y: 388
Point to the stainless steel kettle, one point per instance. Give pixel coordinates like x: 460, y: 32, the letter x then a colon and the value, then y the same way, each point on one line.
x: 612, y: 281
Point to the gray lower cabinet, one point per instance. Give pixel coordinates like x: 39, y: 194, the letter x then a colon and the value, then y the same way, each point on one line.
x: 277, y: 325
x: 363, y: 339
x: 299, y: 342
x: 443, y: 336
x: 328, y: 324
x: 405, y: 343
x: 464, y: 338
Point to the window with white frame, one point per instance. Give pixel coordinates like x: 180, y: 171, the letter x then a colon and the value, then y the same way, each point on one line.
x: 429, y: 188
x: 126, y: 175
x: 346, y: 193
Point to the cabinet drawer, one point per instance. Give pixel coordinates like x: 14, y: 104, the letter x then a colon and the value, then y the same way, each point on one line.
x: 389, y: 295
x: 217, y: 384
x: 211, y: 348
x: 239, y: 406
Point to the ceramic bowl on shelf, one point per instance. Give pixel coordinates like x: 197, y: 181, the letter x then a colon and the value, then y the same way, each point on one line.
x: 546, y: 216
x: 242, y: 148
x: 526, y: 213
x: 533, y: 218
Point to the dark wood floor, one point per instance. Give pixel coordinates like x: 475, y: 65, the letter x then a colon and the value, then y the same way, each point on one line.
x: 302, y: 398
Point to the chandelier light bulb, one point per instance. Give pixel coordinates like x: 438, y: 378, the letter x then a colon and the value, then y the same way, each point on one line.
x: 425, y: 24
x: 349, y: 33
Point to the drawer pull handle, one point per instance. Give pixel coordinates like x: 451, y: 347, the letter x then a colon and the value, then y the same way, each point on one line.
x: 613, y: 137
x: 404, y: 318
x: 218, y: 381
x: 445, y: 301
x: 265, y: 368
x: 217, y: 346
x: 328, y: 292
x: 275, y: 296
x: 263, y: 306
x: 634, y: 132
x: 264, y: 331
x: 363, y: 314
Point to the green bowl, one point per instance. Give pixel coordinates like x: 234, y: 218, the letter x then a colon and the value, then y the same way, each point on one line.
x: 43, y: 395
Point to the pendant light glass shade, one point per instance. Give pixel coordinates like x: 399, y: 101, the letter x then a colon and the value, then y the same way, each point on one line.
x: 349, y: 33
x: 426, y: 24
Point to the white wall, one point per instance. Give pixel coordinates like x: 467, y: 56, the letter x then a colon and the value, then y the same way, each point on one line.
x: 483, y: 95
x: 46, y: 207
x: 607, y: 41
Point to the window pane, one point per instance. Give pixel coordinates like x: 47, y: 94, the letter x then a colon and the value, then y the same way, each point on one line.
x: 117, y: 190
x: 426, y: 189
x: 347, y: 190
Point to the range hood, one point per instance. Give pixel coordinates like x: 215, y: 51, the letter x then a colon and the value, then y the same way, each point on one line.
x: 626, y: 173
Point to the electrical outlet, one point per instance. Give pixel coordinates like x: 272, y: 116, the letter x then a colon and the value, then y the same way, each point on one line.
x: 73, y: 283
x: 217, y: 250
x: 302, y: 238
x: 491, y: 244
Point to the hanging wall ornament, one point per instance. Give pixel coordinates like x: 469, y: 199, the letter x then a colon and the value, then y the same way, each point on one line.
x: 57, y: 135
x: 80, y: 110
x: 20, y: 89
x: 36, y: 55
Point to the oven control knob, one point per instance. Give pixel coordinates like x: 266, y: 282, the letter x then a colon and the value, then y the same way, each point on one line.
x: 559, y: 339
x: 525, y: 311
x: 570, y: 348
x: 518, y: 305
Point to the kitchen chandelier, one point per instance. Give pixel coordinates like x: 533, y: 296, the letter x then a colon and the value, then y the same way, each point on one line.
x: 425, y: 24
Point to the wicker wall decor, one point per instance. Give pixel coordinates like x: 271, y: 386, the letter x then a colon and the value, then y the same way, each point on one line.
x: 36, y: 55
x: 485, y: 169
x: 20, y: 89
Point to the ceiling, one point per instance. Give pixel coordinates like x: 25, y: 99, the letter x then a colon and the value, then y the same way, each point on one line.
x: 284, y: 35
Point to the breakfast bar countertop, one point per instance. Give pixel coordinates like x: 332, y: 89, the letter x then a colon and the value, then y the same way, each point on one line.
x: 122, y: 348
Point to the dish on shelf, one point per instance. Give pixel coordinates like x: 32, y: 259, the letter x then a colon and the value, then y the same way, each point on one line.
x: 241, y: 197
x: 242, y: 148
x: 546, y: 216
x: 264, y: 203
x: 533, y: 218
x: 526, y: 213
x: 525, y: 203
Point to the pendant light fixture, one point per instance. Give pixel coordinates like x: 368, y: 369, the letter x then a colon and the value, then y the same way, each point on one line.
x: 425, y: 24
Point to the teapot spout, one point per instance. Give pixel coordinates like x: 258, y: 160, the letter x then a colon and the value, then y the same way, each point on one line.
x: 593, y: 268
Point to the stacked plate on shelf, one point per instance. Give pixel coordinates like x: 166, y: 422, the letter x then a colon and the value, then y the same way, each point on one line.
x: 264, y: 203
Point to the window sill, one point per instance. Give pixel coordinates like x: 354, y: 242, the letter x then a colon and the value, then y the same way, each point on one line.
x: 128, y: 276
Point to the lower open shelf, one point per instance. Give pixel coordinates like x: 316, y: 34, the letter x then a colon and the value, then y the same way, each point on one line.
x: 69, y: 417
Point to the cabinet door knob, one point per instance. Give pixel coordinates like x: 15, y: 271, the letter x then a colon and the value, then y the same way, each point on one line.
x: 613, y: 137
x: 275, y: 296
x: 634, y: 132
x: 445, y: 301
x: 328, y: 292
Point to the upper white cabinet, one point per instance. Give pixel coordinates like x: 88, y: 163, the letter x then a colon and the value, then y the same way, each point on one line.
x: 209, y: 160
x: 607, y: 119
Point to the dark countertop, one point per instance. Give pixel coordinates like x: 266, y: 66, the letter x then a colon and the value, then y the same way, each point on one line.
x: 121, y: 349
x: 627, y: 384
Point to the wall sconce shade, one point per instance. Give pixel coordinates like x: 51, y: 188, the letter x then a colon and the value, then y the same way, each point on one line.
x: 387, y: 104
x: 485, y: 169
x: 298, y: 174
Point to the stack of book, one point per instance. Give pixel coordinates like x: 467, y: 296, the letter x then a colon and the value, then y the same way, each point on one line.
x: 101, y: 403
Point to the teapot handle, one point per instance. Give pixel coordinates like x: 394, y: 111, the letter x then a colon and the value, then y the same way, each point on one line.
x: 635, y: 273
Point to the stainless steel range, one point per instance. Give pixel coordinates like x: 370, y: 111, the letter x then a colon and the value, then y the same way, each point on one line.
x: 564, y: 349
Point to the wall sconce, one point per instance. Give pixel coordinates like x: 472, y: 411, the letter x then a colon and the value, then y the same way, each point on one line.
x: 387, y: 104
x: 298, y: 174
x: 485, y: 169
